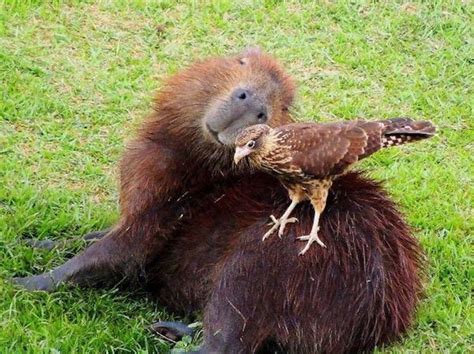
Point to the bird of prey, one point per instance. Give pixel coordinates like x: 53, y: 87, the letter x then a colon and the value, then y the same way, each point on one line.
x: 307, y: 157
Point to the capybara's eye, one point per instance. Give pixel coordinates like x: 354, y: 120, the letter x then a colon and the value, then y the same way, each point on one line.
x: 243, y: 61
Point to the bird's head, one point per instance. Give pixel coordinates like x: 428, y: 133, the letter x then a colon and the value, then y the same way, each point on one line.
x: 250, y: 142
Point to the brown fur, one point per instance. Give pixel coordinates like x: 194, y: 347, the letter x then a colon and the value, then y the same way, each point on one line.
x: 359, y: 292
x: 191, y: 225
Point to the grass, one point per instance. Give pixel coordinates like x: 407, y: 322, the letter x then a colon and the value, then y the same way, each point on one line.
x: 77, y: 77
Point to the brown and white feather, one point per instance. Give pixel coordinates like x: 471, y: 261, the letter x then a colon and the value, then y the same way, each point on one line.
x: 316, y: 151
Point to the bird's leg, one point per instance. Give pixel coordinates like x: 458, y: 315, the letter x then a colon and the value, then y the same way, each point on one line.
x: 318, y: 200
x: 285, y: 219
x: 276, y: 225
x: 313, y: 235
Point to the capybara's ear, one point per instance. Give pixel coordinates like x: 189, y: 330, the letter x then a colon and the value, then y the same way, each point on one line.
x: 251, y: 51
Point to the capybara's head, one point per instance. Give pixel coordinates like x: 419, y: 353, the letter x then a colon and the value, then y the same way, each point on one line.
x: 221, y: 96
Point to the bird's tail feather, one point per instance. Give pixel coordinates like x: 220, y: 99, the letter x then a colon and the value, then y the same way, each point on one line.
x: 398, y: 131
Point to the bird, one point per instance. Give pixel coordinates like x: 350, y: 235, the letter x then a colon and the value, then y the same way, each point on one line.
x: 307, y: 157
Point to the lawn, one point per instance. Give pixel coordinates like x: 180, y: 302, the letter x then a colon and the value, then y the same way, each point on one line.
x: 77, y: 78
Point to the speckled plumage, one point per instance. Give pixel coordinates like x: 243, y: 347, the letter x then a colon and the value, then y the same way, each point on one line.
x: 306, y: 157
x: 306, y: 151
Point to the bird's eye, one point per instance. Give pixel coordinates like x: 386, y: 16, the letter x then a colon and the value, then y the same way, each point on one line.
x: 251, y: 144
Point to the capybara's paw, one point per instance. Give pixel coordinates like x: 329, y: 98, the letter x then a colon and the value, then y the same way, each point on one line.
x: 172, y: 331
x: 41, y: 282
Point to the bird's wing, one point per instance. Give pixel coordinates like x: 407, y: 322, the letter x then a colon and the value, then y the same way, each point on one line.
x: 321, y: 150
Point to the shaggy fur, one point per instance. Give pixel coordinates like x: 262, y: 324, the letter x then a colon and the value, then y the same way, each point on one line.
x: 359, y: 292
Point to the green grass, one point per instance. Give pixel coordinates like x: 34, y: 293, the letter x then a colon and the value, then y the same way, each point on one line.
x: 77, y: 78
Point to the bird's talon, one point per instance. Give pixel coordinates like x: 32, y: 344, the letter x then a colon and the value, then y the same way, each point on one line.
x: 283, y: 225
x: 274, y: 221
x: 310, y: 239
x: 271, y: 231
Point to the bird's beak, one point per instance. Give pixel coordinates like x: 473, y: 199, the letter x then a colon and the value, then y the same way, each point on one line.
x: 240, y: 153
